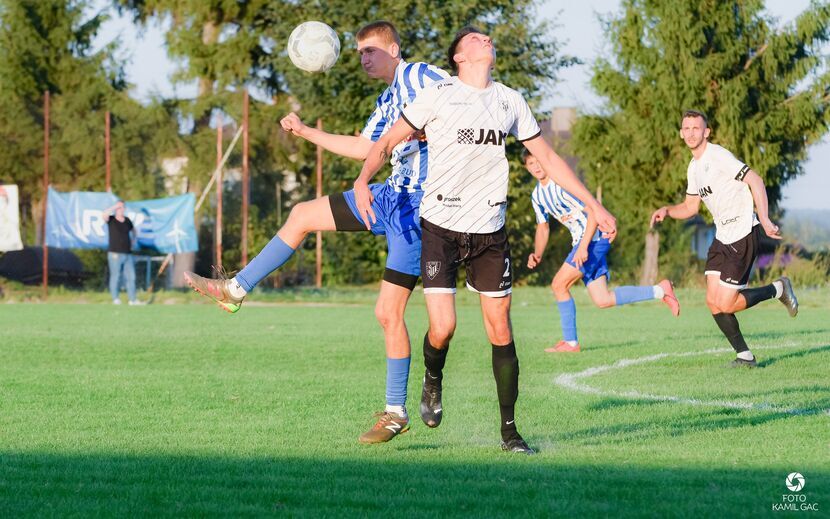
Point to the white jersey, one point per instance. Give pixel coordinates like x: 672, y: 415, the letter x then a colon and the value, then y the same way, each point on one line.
x: 717, y: 178
x: 552, y: 199
x: 409, y: 158
x: 467, y: 179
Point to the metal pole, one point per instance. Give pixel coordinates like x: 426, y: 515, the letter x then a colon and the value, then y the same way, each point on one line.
x: 107, y: 151
x: 45, y: 192
x: 218, y: 231
x: 318, y: 279
x: 245, y: 188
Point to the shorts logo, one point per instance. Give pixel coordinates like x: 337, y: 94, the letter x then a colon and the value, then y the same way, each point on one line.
x: 433, y: 267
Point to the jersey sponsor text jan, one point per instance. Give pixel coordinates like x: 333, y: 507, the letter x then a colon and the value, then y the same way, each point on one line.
x: 466, y: 185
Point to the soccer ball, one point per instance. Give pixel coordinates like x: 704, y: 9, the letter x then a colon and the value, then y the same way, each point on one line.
x: 313, y: 47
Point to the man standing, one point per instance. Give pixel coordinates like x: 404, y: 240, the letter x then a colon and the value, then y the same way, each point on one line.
x: 396, y: 201
x: 729, y: 189
x: 466, y: 120
x: 119, y: 252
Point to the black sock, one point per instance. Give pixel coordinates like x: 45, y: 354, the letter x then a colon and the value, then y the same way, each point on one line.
x: 506, y: 372
x: 728, y: 324
x: 434, y: 359
x: 754, y: 296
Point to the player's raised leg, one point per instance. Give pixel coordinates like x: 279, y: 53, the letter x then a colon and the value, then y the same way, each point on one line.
x: 305, y: 217
x: 603, y: 297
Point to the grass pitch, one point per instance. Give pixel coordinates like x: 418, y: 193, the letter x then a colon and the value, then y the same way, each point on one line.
x: 182, y: 409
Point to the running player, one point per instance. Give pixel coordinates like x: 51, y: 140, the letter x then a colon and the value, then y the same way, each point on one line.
x: 466, y: 120
x: 587, y: 260
x: 396, y: 203
x: 729, y: 188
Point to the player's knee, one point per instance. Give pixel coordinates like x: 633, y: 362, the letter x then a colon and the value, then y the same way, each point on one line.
x: 559, y: 287
x: 440, y: 334
x: 501, y: 335
x: 387, y: 317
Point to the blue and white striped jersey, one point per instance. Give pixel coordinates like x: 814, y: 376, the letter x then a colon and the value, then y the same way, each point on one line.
x: 551, y: 199
x: 409, y: 159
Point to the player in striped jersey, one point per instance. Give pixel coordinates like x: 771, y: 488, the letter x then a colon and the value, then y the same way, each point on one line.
x: 396, y: 202
x: 587, y: 260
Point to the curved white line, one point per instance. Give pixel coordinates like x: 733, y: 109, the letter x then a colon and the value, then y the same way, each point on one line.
x: 573, y: 381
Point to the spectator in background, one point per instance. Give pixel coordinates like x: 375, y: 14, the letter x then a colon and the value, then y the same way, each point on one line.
x: 119, y: 257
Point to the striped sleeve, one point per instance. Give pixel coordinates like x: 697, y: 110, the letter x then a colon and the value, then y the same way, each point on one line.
x: 376, y: 124
x: 428, y: 74
x: 538, y: 208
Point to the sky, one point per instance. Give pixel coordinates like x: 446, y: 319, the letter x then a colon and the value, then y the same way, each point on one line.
x: 577, y: 26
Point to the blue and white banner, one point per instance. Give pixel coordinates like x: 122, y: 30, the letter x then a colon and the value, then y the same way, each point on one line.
x: 75, y: 221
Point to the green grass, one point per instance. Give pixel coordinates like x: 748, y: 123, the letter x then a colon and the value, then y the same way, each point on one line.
x: 184, y: 410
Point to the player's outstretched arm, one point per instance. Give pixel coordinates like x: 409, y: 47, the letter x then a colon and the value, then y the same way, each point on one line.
x: 351, y: 146
x: 686, y: 209
x: 759, y: 195
x: 375, y: 159
x: 559, y: 171
x: 540, y: 242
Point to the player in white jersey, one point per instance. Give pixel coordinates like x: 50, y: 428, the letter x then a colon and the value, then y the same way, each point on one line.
x: 587, y: 260
x: 396, y: 202
x: 466, y: 120
x: 730, y: 189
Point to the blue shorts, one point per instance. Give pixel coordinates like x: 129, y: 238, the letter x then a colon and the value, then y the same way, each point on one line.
x: 398, y: 218
x: 596, y: 265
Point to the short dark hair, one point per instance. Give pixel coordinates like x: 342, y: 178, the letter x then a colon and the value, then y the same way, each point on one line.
x: 695, y: 113
x: 464, y: 31
x: 381, y: 28
x: 526, y: 155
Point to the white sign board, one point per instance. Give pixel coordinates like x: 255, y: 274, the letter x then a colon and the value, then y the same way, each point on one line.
x: 9, y: 219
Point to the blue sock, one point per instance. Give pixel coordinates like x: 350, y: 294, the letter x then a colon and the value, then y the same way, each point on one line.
x: 626, y: 295
x: 397, y: 376
x: 567, y: 316
x: 268, y: 260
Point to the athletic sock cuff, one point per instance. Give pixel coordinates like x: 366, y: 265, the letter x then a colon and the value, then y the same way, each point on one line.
x: 504, y: 352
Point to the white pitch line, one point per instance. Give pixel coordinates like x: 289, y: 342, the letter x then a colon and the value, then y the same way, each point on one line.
x: 573, y: 381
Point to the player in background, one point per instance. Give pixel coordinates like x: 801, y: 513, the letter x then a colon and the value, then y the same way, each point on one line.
x: 586, y: 261
x: 729, y: 188
x: 466, y: 120
x: 396, y: 203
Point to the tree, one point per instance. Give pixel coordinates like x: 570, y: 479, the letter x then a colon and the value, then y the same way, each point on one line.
x: 48, y: 46
x: 765, y: 89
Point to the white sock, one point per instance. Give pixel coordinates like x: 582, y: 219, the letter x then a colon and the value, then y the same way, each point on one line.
x: 779, y: 288
x: 236, y: 289
x: 746, y: 355
x: 658, y: 292
x: 399, y: 410
x: 572, y: 343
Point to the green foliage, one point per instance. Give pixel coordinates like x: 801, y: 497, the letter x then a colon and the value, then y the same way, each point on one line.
x: 763, y: 87
x: 47, y: 46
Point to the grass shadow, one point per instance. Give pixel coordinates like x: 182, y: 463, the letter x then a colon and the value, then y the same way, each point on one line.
x: 36, y: 484
x: 769, y: 361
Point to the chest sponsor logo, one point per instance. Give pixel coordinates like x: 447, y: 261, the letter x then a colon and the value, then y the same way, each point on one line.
x: 729, y: 220
x: 481, y: 136
x: 705, y: 191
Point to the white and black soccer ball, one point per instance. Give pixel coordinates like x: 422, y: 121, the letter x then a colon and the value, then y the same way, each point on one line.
x: 313, y: 47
